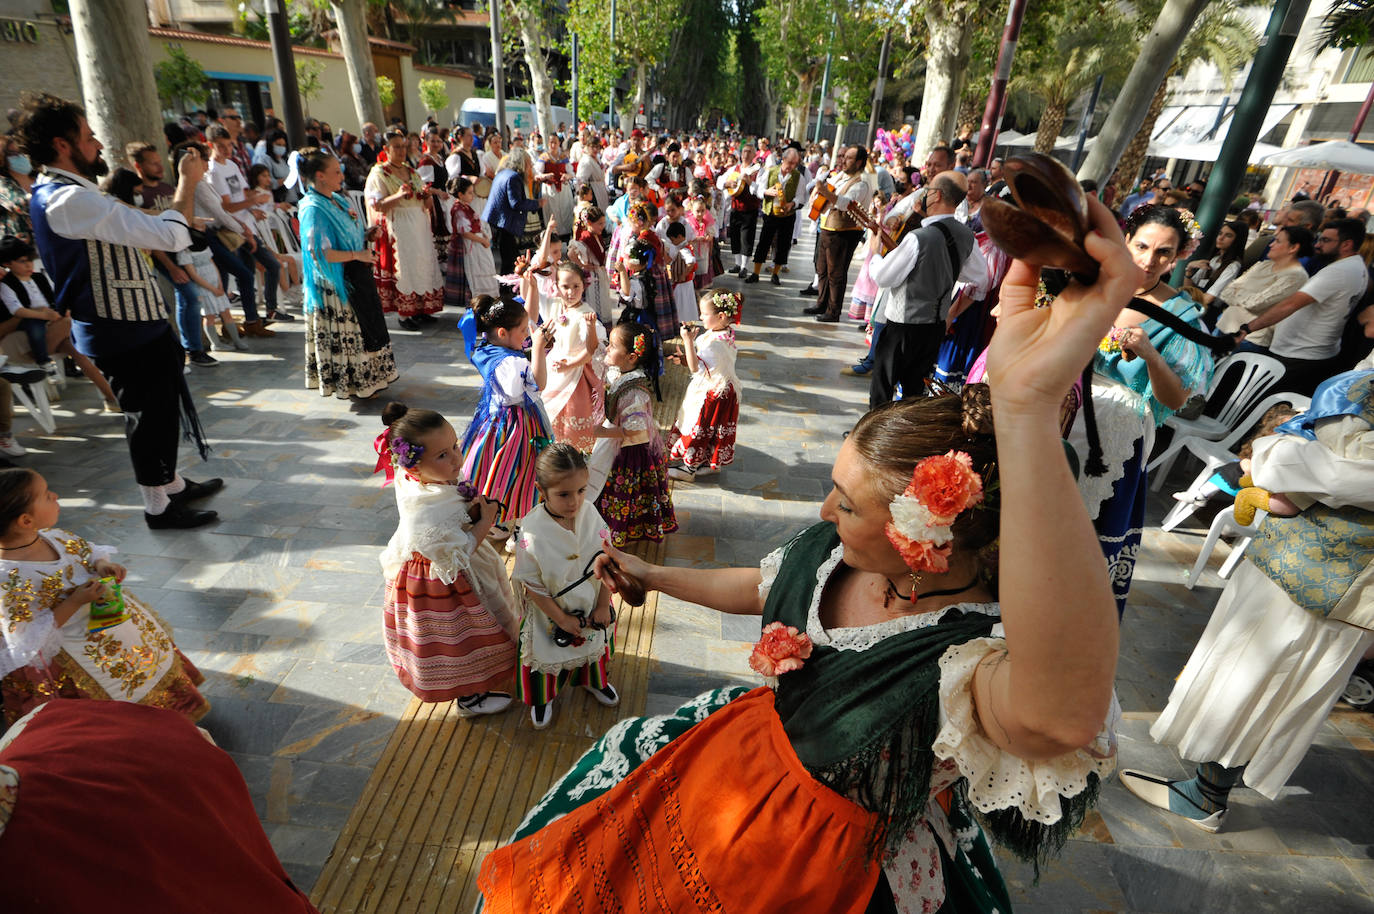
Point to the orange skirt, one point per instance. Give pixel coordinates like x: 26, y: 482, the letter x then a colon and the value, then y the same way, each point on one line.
x: 722, y: 819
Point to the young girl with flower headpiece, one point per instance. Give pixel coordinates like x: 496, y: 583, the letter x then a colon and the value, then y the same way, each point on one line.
x: 577, y: 370
x: 510, y: 425
x: 645, y: 260
x: 703, y: 224
x: 629, y: 465
x: 471, y: 269
x: 704, y: 434
x: 450, y: 619
x: 566, y: 636
x: 588, y: 251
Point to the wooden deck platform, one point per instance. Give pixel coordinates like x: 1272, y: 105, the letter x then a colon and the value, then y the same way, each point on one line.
x: 449, y: 789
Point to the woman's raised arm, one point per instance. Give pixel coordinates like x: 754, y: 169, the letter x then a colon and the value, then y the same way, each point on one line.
x: 1050, y: 692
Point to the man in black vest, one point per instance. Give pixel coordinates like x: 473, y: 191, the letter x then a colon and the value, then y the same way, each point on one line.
x: 922, y: 272
x: 91, y: 242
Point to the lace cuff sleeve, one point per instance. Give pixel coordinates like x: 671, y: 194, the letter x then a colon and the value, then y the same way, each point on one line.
x: 997, y: 779
x: 768, y: 571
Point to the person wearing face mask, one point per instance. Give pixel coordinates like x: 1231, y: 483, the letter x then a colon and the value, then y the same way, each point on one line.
x: 274, y: 156
x: 16, y: 177
x: 355, y: 167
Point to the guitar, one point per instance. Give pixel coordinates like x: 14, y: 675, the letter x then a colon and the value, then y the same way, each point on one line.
x: 823, y: 195
x: 742, y: 179
x: 867, y: 220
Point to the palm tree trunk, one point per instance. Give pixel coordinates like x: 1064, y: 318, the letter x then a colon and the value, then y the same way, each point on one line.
x: 1129, y: 167
x: 362, y: 74
x: 1051, y: 121
x: 1157, y: 55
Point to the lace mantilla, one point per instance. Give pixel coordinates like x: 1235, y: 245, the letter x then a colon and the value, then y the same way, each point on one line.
x: 863, y: 637
x: 1119, y: 425
x: 996, y: 778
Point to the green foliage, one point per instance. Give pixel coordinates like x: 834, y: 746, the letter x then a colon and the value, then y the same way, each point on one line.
x: 308, y: 82
x: 643, y: 33
x: 1072, y: 43
x: 1348, y: 24
x: 433, y: 95
x: 692, y: 68
x: 386, y: 91
x: 1223, y: 36
x: 180, y: 77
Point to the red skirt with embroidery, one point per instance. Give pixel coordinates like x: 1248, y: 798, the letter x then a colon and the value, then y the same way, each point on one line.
x: 711, y: 439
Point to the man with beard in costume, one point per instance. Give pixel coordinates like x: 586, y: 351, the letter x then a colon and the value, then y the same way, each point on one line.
x: 90, y: 242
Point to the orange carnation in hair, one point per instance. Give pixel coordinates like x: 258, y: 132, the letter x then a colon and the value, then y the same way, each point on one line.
x: 946, y: 485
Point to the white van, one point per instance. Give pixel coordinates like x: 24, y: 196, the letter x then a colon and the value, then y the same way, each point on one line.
x: 519, y: 115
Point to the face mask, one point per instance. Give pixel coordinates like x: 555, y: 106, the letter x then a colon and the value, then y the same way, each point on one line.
x: 357, y: 148
x: 279, y: 149
x: 20, y: 165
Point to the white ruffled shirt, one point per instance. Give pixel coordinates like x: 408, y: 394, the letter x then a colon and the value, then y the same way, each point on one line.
x: 996, y: 778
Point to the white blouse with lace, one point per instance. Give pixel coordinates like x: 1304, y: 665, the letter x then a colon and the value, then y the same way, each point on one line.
x: 997, y: 779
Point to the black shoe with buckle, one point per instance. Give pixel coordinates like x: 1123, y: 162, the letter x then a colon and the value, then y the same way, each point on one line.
x: 195, y: 491
x: 752, y: 277
x: 814, y: 309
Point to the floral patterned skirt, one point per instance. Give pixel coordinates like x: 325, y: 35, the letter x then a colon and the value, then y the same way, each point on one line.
x: 635, y: 502
x: 336, y: 361
x: 28, y: 687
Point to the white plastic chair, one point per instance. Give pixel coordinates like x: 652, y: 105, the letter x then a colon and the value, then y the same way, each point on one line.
x: 1240, y: 414
x: 1225, y: 525
x: 1212, y: 455
x: 1253, y: 372
x: 30, y: 388
x: 359, y: 203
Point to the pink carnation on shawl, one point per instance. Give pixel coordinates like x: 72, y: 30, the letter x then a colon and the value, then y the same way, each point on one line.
x: 780, y: 649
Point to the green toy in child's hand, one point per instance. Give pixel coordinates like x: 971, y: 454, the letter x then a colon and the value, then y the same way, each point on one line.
x: 110, y: 611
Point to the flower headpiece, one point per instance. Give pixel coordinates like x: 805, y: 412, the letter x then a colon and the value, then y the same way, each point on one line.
x: 393, y: 451
x: 638, y: 348
x: 1194, y: 230
x: 941, y: 488
x: 727, y: 303
x: 640, y: 210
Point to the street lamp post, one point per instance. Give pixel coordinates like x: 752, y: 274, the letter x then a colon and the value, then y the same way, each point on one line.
x: 498, y: 67
x: 285, y: 65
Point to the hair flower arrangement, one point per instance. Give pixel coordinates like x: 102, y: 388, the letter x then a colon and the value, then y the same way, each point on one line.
x: 780, y: 649
x: 1194, y: 230
x: 407, y: 454
x: 1111, y: 343
x: 941, y: 488
x: 727, y: 303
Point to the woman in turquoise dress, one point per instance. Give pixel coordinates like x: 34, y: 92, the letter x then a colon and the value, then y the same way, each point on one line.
x: 912, y: 706
x: 1156, y: 356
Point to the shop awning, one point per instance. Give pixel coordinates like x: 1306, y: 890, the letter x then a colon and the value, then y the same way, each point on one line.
x: 239, y: 77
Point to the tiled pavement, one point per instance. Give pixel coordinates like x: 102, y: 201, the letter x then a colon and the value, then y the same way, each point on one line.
x: 279, y: 605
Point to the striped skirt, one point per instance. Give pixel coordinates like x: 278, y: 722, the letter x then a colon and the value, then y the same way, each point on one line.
x: 440, y: 639
x: 500, y: 460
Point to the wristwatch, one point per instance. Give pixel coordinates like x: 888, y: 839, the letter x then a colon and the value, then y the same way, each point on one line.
x: 1244, y: 328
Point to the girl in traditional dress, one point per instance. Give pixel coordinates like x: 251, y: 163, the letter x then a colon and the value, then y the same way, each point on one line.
x: 703, y: 224
x: 408, y: 277
x: 450, y: 620
x: 510, y: 425
x: 575, y: 393
x: 644, y: 258
x: 629, y: 465
x: 471, y: 269
x: 347, y: 346
x: 67, y: 627
x: 565, y: 638
x: 704, y: 434
x: 588, y: 251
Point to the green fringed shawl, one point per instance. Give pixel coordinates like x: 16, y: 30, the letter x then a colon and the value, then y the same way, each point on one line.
x: 863, y: 722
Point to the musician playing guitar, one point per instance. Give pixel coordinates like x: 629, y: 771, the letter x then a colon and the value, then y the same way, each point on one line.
x: 738, y: 183
x: 781, y: 184
x: 635, y: 163
x: 838, y: 196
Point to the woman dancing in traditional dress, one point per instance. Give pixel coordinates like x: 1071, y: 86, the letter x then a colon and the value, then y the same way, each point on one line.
x: 409, y: 280
x: 908, y: 704
x: 347, y: 346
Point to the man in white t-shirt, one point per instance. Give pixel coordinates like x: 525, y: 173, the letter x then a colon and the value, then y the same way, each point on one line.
x: 227, y: 179
x: 1309, y: 323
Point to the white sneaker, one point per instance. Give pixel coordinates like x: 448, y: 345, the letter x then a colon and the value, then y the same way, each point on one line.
x: 11, y: 448
x: 541, y: 715
x: 483, y: 703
